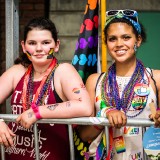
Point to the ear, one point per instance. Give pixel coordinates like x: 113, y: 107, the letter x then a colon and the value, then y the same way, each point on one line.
x: 23, y: 46
x: 139, y: 41
x: 56, y: 48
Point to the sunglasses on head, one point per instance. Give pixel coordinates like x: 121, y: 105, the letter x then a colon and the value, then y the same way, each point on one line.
x: 126, y: 12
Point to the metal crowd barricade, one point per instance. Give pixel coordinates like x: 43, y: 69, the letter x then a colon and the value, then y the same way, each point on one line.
x: 81, y: 121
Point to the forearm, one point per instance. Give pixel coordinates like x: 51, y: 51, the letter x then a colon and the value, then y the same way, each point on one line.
x: 68, y: 109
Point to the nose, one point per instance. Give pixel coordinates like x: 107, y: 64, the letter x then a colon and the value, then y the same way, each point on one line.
x: 39, y: 47
x: 119, y: 42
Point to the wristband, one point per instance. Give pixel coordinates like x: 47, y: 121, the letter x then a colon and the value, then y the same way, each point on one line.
x: 36, y: 111
x: 1, y: 120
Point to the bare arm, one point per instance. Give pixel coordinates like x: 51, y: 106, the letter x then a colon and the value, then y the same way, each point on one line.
x: 89, y: 133
x: 156, y: 75
x: 8, y: 81
x: 71, y: 89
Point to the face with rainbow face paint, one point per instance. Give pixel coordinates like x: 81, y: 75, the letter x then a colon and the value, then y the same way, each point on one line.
x: 39, y: 45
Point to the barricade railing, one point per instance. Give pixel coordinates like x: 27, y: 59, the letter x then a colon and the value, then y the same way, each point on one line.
x: 80, y: 121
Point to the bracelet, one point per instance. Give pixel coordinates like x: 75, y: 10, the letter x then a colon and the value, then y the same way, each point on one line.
x: 103, y: 112
x: 1, y: 120
x: 36, y: 111
x: 110, y: 109
x: 97, y: 128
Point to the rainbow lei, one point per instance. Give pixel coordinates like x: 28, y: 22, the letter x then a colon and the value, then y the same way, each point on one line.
x: 27, y: 93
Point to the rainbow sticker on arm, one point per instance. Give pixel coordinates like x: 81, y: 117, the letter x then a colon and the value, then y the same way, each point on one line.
x: 76, y: 90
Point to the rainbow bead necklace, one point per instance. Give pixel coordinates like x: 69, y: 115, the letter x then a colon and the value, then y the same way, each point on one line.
x: 110, y: 91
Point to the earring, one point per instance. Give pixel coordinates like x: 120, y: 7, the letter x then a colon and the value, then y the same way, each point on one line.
x: 135, y: 47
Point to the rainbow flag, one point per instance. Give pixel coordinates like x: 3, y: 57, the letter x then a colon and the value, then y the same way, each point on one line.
x: 85, y: 56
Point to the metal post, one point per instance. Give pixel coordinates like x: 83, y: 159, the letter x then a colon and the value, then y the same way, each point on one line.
x: 12, y: 35
x: 72, y: 156
x: 36, y: 141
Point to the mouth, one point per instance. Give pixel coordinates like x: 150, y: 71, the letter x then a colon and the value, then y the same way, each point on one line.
x: 39, y: 55
x: 120, y: 52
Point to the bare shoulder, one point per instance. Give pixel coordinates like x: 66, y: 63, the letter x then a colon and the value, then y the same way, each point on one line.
x: 67, y: 70
x: 16, y: 70
x: 65, y: 67
x: 10, y: 78
x: 156, y: 75
x: 92, y: 80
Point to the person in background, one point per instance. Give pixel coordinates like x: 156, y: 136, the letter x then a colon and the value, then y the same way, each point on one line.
x: 40, y: 87
x: 128, y: 90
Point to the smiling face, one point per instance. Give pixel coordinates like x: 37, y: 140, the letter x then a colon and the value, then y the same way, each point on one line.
x: 39, y: 43
x: 121, y: 41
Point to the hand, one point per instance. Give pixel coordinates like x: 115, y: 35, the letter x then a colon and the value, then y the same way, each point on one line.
x: 27, y: 118
x: 6, y: 135
x: 117, y: 118
x: 157, y: 119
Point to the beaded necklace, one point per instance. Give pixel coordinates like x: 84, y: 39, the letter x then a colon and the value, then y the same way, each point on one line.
x: 27, y: 93
x: 110, y: 91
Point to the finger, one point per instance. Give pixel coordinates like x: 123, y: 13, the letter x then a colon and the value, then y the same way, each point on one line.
x: 4, y: 140
x: 9, y: 139
x: 124, y: 120
x: 157, y: 115
x: 110, y: 119
x: 158, y: 120
x: 157, y: 124
x: 1, y: 141
x: 116, y: 121
x: 151, y: 116
x: 27, y: 126
x: 18, y: 119
x: 11, y: 132
x: 120, y: 122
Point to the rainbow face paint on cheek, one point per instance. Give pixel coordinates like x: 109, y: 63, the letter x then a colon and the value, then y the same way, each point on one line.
x: 50, y: 53
x: 28, y: 54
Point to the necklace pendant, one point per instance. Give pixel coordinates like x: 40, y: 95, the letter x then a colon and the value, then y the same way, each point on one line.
x: 141, y: 89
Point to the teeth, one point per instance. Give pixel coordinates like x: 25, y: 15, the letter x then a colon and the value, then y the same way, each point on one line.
x: 121, y: 51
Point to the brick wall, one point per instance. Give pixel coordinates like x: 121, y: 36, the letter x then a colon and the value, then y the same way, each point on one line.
x: 27, y: 10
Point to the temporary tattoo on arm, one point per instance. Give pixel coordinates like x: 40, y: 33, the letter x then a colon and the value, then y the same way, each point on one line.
x: 76, y: 90
x: 30, y: 114
x: 80, y: 99
x: 68, y: 104
x: 83, y: 86
x: 52, y: 107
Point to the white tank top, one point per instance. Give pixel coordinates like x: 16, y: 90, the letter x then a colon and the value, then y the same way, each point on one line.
x: 132, y: 135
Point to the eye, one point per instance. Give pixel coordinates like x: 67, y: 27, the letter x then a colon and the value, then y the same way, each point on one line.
x: 46, y: 42
x: 31, y: 43
x: 111, y: 39
x: 126, y: 37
